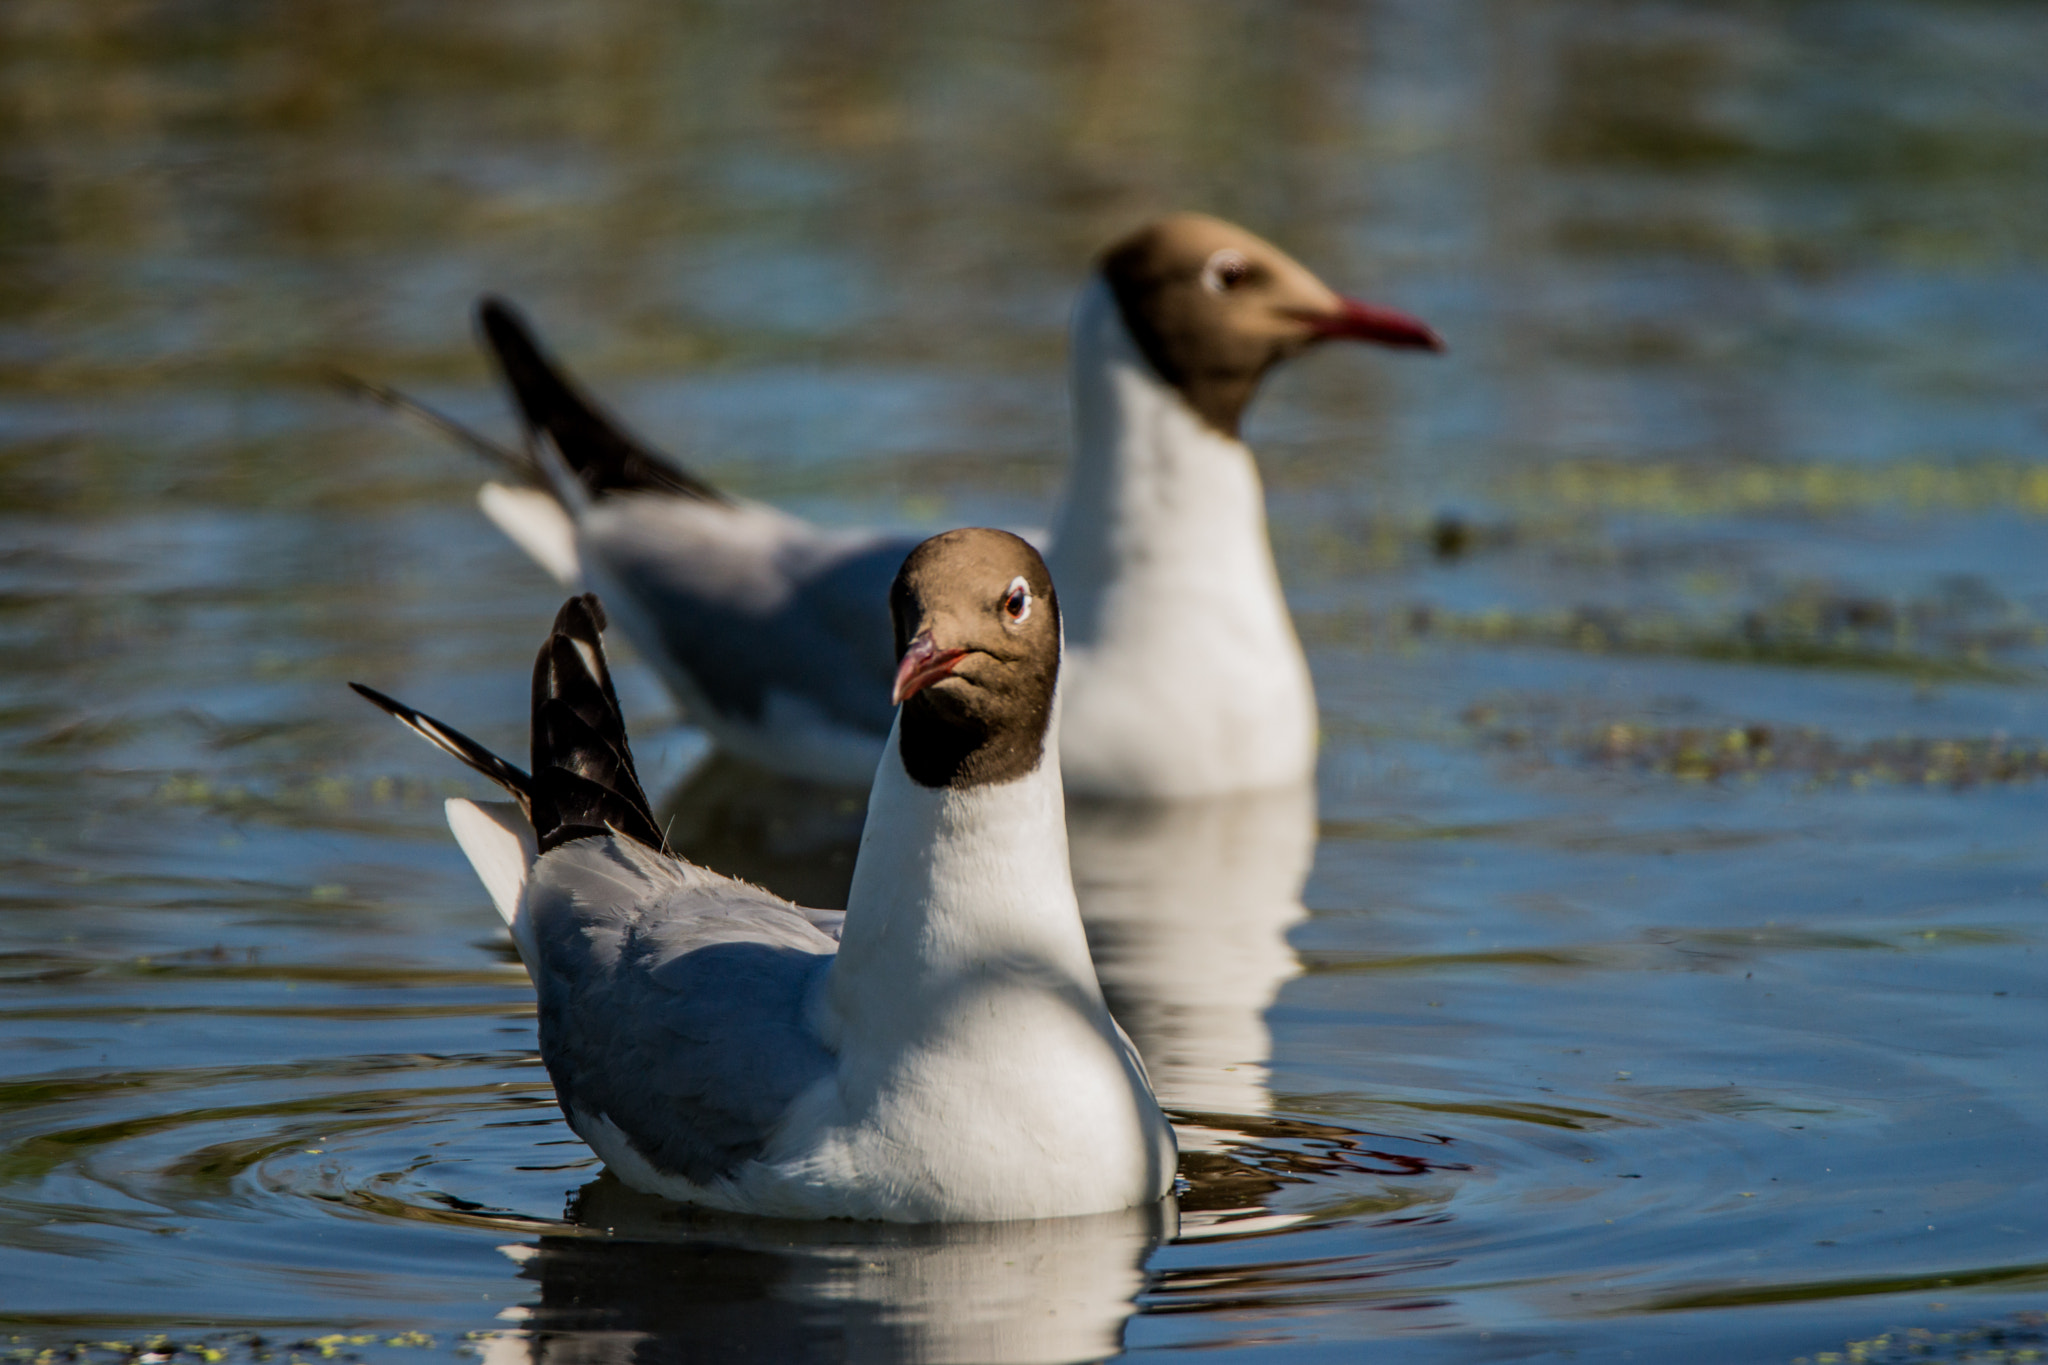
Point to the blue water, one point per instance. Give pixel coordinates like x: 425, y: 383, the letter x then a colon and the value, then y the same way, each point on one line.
x: 1664, y: 978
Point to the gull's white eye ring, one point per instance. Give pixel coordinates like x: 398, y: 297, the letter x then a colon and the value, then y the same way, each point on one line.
x: 1225, y: 270
x: 1017, y: 600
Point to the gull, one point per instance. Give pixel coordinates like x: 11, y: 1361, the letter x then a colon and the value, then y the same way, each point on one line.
x: 939, y: 1051
x: 1184, y: 674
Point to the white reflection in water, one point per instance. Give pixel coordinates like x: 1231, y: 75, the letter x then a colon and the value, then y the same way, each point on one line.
x: 1187, y: 906
x: 660, y: 1279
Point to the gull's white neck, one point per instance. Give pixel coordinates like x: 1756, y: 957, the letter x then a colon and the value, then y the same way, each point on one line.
x: 979, y: 1073
x: 1186, y: 677
x: 952, y: 885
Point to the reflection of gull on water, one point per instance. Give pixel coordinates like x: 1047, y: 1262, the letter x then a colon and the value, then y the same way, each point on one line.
x: 652, y: 1281
x: 1187, y: 906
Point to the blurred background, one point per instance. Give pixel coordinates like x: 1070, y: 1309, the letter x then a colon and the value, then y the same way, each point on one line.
x: 1680, y: 635
x: 1667, y: 234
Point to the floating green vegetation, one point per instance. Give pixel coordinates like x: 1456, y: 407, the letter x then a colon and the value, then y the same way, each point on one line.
x: 1747, y: 752
x: 2022, y: 1337
x: 1931, y: 641
x: 1707, y: 489
x: 216, y: 1348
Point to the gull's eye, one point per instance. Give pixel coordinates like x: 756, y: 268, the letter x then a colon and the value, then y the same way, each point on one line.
x: 1017, y: 601
x: 1225, y: 271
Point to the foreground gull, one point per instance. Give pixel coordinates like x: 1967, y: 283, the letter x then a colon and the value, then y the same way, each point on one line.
x: 1184, y: 676
x: 938, y: 1052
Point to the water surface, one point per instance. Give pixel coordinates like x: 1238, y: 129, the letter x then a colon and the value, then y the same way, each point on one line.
x: 1654, y: 969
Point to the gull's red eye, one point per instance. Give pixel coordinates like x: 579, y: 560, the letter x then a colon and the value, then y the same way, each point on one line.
x: 1017, y: 601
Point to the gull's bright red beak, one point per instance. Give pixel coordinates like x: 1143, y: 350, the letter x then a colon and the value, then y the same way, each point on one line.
x: 1356, y: 321
x: 924, y: 663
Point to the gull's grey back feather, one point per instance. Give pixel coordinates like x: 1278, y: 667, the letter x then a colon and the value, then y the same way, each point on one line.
x: 749, y: 602
x: 672, y: 1001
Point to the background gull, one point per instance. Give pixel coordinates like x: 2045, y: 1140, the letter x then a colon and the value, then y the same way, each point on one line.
x: 1185, y: 677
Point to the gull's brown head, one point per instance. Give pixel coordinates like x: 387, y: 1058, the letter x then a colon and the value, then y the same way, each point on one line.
x: 978, y: 650
x: 1213, y: 307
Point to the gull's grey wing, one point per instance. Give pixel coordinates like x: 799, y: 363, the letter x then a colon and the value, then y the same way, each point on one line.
x: 751, y: 602
x: 672, y: 1001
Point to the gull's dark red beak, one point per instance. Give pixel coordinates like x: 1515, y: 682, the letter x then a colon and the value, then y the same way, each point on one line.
x: 924, y: 663
x: 1356, y: 321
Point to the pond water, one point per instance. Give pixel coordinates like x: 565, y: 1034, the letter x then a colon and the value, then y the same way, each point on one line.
x: 1653, y: 971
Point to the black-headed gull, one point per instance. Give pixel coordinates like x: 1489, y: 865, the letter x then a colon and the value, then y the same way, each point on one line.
x: 939, y: 1051
x: 1184, y: 675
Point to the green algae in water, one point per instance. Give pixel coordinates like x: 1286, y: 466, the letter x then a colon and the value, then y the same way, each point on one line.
x: 1748, y: 752
x: 2021, y: 1339
x: 212, y: 1348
